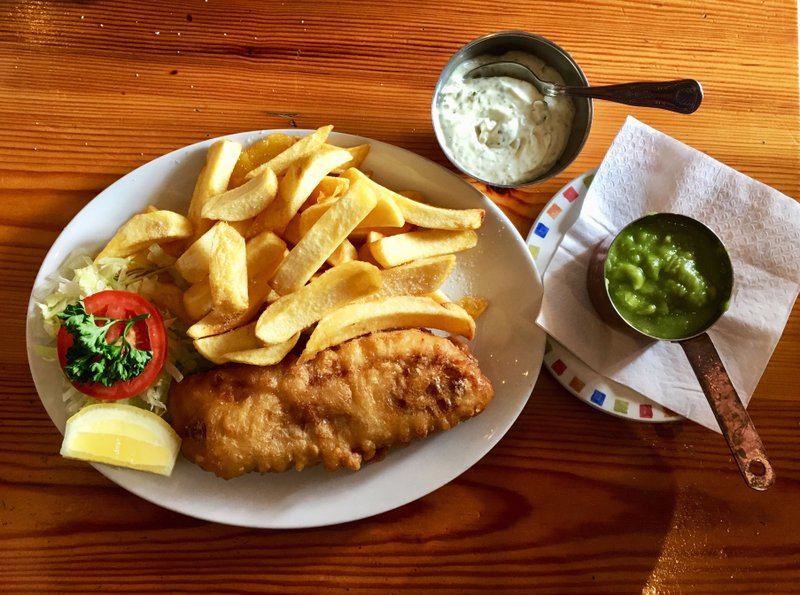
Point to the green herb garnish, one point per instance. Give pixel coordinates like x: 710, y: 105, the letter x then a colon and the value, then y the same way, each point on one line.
x: 91, y: 358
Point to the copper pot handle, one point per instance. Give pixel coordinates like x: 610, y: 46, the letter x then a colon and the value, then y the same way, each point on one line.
x: 734, y: 421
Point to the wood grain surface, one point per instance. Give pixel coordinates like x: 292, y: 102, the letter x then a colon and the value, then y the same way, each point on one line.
x: 571, y: 500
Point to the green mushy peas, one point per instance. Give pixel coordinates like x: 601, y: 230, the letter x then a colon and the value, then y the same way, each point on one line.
x: 668, y: 276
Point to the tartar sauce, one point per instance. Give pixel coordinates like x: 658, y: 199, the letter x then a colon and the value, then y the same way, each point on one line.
x: 501, y: 129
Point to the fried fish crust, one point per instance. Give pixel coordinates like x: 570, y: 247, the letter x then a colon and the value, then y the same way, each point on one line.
x: 346, y: 406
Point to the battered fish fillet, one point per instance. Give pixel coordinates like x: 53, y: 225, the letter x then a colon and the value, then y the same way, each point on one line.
x: 346, y: 406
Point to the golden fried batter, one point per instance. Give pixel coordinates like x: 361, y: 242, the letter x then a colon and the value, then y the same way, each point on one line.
x: 347, y: 405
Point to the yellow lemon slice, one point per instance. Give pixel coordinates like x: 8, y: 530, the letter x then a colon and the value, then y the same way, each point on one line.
x: 121, y: 435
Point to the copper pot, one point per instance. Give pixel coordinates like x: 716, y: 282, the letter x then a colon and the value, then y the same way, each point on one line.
x: 734, y: 421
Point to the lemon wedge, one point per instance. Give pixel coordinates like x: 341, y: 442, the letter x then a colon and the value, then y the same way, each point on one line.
x: 121, y: 435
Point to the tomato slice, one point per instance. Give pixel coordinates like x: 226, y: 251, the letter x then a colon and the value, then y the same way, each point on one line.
x: 148, y: 334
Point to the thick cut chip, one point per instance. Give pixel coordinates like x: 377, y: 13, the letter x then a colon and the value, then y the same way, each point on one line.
x: 292, y: 232
x: 197, y: 300
x: 418, y: 277
x: 193, y: 263
x: 383, y: 214
x: 259, y: 153
x: 395, y: 250
x: 360, y: 233
x: 475, y: 306
x: 335, y: 287
x: 243, y: 202
x: 323, y: 238
x: 240, y: 339
x: 296, y: 186
x: 215, y: 323
x: 272, y: 296
x: 269, y: 147
x: 330, y: 187
x: 423, y: 215
x: 344, y: 253
x: 359, y: 153
x: 303, y: 147
x: 365, y: 251
x: 144, y: 229
x: 373, y: 236
x: 440, y: 297
x: 267, y: 355
x: 166, y: 296
x: 365, y: 254
x: 241, y: 345
x: 438, y: 218
x: 213, y: 180
x: 240, y: 226
x: 311, y: 215
x: 243, y: 165
x: 264, y: 253
x: 354, y: 320
x: 386, y: 212
x: 227, y: 271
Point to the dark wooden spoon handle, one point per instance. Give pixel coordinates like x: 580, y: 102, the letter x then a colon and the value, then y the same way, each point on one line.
x: 683, y: 96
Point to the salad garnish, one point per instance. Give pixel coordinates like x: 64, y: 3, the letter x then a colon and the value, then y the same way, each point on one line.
x: 92, y: 357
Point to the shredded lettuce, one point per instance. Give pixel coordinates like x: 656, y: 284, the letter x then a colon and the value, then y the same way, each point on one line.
x: 153, y: 399
x: 159, y: 257
x: 79, y: 277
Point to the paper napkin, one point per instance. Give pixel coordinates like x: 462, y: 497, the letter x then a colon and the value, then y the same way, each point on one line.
x: 646, y: 171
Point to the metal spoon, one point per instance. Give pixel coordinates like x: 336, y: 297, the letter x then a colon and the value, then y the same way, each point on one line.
x: 683, y: 96
x: 743, y: 440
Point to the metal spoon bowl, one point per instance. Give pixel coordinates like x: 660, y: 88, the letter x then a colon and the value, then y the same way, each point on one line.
x: 734, y: 421
x: 682, y: 96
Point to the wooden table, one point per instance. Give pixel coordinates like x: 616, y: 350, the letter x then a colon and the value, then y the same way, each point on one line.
x: 571, y: 500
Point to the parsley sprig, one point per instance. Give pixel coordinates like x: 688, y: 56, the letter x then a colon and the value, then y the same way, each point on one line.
x: 92, y: 358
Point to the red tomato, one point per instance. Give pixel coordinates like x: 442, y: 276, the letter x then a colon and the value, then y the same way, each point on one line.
x: 148, y: 334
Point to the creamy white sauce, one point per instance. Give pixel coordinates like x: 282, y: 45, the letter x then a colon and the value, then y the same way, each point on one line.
x: 501, y: 129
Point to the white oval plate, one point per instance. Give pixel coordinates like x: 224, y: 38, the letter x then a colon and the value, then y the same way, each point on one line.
x: 509, y: 346
x: 578, y: 378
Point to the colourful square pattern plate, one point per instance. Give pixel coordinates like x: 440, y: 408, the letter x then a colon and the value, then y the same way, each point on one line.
x: 578, y: 378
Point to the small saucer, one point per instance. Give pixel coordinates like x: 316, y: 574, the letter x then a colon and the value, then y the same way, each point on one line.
x: 573, y: 374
